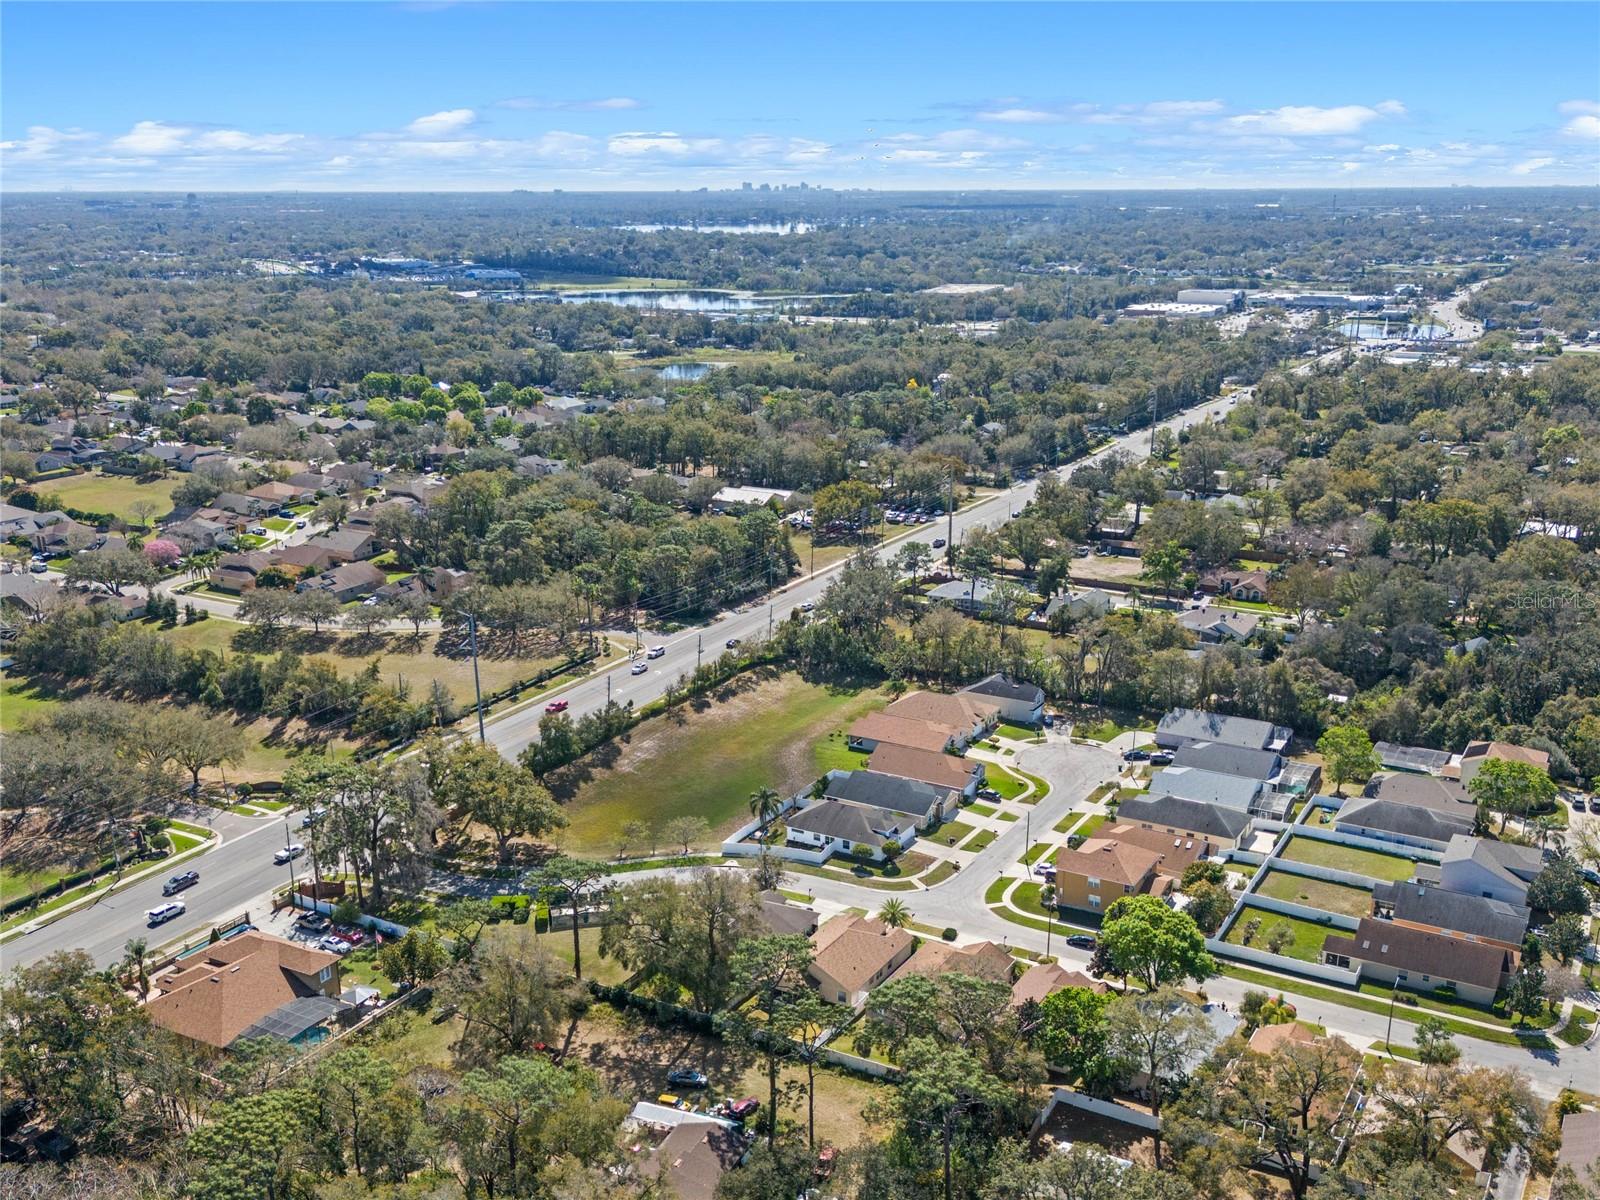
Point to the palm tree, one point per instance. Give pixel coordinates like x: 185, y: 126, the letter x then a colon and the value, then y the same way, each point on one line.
x: 135, y: 964
x: 1547, y: 829
x: 765, y: 804
x: 895, y: 914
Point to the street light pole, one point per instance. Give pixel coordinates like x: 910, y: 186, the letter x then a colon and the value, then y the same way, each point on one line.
x: 287, y: 845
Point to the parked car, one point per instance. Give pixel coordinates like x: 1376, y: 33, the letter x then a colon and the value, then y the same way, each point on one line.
x: 639, y: 668
x: 37, y: 567
x: 299, y: 522
x: 1161, y: 759
x: 314, y: 922
x: 258, y: 530
x: 684, y: 1077
x: 1082, y: 941
x: 178, y: 882
x: 988, y: 794
x: 335, y: 945
x: 288, y: 853
x: 1081, y: 552
x: 1044, y: 869
x: 743, y: 1110
x: 1578, y: 804
x: 312, y: 817
x: 556, y: 706
x: 807, y: 606
x: 938, y: 543
x: 656, y: 652
x: 162, y: 913
x: 1136, y: 756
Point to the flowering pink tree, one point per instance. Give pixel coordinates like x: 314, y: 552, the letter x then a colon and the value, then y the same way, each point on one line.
x: 162, y: 553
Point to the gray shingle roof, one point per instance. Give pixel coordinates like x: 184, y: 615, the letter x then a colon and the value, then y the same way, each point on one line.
x: 1520, y: 863
x: 1213, y: 820
x: 877, y: 790
x: 1423, y: 791
x: 1205, y: 726
x: 1403, y: 820
x: 847, y: 821
x: 1477, y: 916
x: 1002, y: 688
x: 1228, y: 760
x: 1212, y: 787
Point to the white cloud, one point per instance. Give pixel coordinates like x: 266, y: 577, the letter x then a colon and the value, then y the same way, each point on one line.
x: 236, y: 140
x: 540, y: 103
x: 636, y: 144
x: 1580, y: 107
x: 451, y: 120
x: 1022, y: 116
x: 1530, y: 165
x: 42, y: 142
x: 1307, y: 120
x: 1153, y: 113
x: 1585, y: 126
x: 151, y: 137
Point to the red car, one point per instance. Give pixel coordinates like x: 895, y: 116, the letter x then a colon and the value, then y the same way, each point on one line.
x: 556, y: 706
x: 744, y: 1109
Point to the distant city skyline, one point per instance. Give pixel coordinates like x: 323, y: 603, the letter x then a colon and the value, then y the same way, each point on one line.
x: 439, y: 96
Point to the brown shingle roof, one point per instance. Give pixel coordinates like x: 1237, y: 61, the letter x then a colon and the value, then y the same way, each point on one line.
x: 1508, y: 752
x: 692, y: 1158
x: 233, y: 985
x: 984, y: 960
x: 1269, y: 1037
x: 904, y: 731
x: 961, y: 710
x: 1044, y: 979
x: 1115, y: 862
x: 1176, y: 851
x: 928, y: 766
x: 1418, y: 951
x: 853, y: 949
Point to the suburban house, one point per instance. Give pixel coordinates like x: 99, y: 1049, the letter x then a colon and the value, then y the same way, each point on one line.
x: 1225, y: 828
x: 1403, y: 824
x: 315, y: 482
x: 930, y: 767
x: 64, y: 537
x: 1044, y: 979
x: 1213, y: 626
x: 1478, y: 753
x: 1078, y: 605
x: 1250, y: 586
x: 694, y: 1156
x: 346, y: 582
x: 441, y: 583
x: 24, y: 522
x: 848, y: 828
x: 1213, y: 787
x: 879, y: 728
x: 537, y: 466
x: 982, y: 960
x: 303, y: 559
x: 277, y: 495
x: 346, y: 545
x: 1473, y: 917
x: 198, y: 535
x: 1423, y: 791
x: 1184, y: 725
x: 1020, y: 703
x: 27, y: 595
x: 873, y: 789
x: 1265, y: 765
x: 367, y: 518
x: 781, y: 916
x: 244, y: 506
x: 1422, y: 960
x: 359, y: 474
x: 969, y: 596
x: 1580, y: 1144
x: 237, y: 572
x: 972, y: 717
x: 1480, y: 867
x: 248, y: 986
x: 851, y: 955
x: 1102, y: 871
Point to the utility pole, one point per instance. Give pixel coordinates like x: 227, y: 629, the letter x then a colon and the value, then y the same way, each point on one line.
x: 477, y: 687
x: 699, y: 646
x: 286, y: 844
x: 608, y: 689
x: 950, y: 523
x: 769, y: 620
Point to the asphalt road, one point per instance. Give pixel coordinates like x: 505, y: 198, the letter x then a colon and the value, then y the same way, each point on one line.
x: 232, y: 877
x: 512, y: 731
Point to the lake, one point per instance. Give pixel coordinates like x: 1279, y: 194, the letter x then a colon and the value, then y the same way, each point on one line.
x: 674, y: 301
x: 687, y: 372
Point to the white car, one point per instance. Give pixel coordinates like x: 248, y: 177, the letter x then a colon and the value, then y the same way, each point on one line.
x: 335, y: 945
x: 807, y: 606
x: 639, y: 668
x: 656, y: 652
x: 162, y: 913
x: 300, y: 523
x: 288, y: 853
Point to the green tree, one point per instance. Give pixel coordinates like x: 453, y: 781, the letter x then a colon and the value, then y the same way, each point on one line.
x: 1511, y: 789
x: 1567, y: 936
x: 1525, y: 992
x: 414, y: 959
x: 895, y: 914
x: 1146, y: 940
x: 1156, y: 1037
x: 1435, y: 1048
x: 765, y: 804
x: 1164, y: 565
x: 1347, y: 755
x: 683, y: 931
x: 773, y: 969
x: 252, y: 1148
x: 574, y: 878
x: 475, y: 780
x: 1072, y: 1037
x: 1559, y: 888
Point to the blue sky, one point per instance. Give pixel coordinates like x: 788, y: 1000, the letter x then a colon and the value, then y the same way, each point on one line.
x: 486, y: 96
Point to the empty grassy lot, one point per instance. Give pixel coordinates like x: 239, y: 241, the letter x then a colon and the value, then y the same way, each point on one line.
x: 1317, y: 893
x: 114, y: 494
x: 1349, y: 858
x: 1307, y: 940
x: 705, y: 759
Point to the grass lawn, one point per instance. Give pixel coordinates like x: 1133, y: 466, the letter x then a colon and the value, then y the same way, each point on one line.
x: 1308, y: 935
x: 278, y: 524
x: 940, y: 873
x: 1317, y: 893
x: 400, y: 657
x: 833, y: 753
x: 114, y: 494
x: 1088, y: 828
x: 1462, y: 1008
x: 1003, y: 781
x: 952, y: 833
x: 982, y: 810
x: 1579, y: 1027
x: 981, y: 841
x: 1034, y: 853
x: 705, y: 759
x: 1106, y: 729
x: 828, y: 551
x: 22, y: 699
x: 996, y: 891
x: 1018, y: 733
x: 184, y: 841
x: 1349, y: 858
x: 558, y: 944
